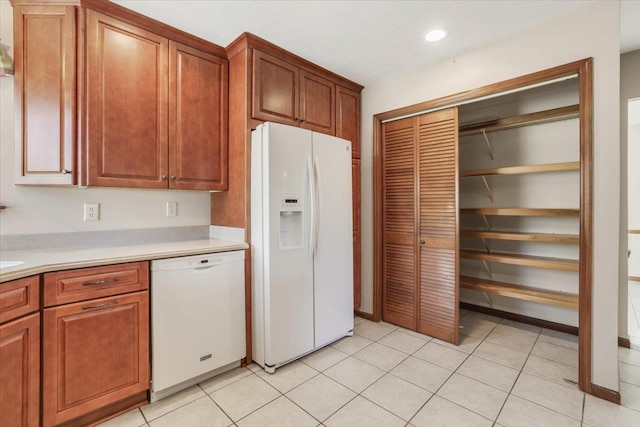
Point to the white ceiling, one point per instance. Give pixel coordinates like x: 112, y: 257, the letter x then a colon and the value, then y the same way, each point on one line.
x: 364, y: 40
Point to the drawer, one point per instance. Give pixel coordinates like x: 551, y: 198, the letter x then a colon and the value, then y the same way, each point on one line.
x: 19, y: 297
x: 82, y: 284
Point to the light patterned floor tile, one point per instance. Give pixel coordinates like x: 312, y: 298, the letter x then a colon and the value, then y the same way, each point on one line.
x: 478, y: 325
x: 282, y: 413
x: 559, y: 338
x: 415, y: 334
x: 254, y: 367
x: 520, y: 326
x: 324, y: 358
x: 518, y: 412
x: 381, y: 356
x: 223, y: 380
x: 513, y: 336
x: 630, y: 396
x: 629, y: 356
x: 491, y: 373
x: 600, y: 413
x: 473, y: 395
x: 403, y: 342
x: 352, y: 344
x: 467, y: 344
x: 168, y: 404
x: 421, y: 373
x: 397, y: 396
x: 362, y: 413
x: 288, y: 376
x: 132, y: 418
x: 321, y: 396
x: 354, y: 374
x: 201, y: 413
x: 442, y: 356
x: 244, y: 396
x: 503, y: 355
x: 552, y: 371
x: 557, y: 353
x: 550, y: 395
x: 374, y: 331
x: 630, y: 374
x: 439, y: 412
x: 357, y: 320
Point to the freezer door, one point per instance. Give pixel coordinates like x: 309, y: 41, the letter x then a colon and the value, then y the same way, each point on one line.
x: 333, y: 268
x: 287, y: 261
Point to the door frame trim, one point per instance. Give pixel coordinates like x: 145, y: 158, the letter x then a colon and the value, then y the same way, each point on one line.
x: 584, y: 71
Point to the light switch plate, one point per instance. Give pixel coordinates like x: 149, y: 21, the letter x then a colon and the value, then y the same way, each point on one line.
x: 172, y: 208
x: 92, y: 211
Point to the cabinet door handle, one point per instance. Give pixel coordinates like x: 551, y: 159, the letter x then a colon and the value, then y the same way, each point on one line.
x: 101, y: 282
x: 173, y: 177
x: 302, y: 120
x: 164, y: 177
x: 106, y: 304
x: 422, y: 241
x: 66, y: 171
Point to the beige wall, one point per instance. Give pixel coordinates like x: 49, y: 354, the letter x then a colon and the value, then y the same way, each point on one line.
x: 46, y: 210
x: 629, y: 89
x: 590, y: 31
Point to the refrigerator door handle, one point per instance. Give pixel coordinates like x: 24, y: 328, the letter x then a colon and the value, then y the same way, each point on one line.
x: 316, y: 216
x: 312, y: 200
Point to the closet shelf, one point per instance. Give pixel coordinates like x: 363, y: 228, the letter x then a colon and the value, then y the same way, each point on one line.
x: 525, y: 237
x: 523, y: 260
x: 521, y: 211
x: 519, y: 170
x: 561, y: 299
x: 540, y: 117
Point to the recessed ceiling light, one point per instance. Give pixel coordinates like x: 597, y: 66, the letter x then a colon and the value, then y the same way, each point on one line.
x: 436, y: 35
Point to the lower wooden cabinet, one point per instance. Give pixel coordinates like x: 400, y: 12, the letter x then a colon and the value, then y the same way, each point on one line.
x: 95, y: 353
x: 20, y: 372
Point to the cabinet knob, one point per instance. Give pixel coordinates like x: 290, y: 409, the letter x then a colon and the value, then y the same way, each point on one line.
x: 66, y: 171
x: 302, y: 120
x: 173, y: 177
x: 164, y: 177
x: 422, y: 241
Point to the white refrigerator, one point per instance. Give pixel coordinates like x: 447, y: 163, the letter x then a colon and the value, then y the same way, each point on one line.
x: 301, y: 242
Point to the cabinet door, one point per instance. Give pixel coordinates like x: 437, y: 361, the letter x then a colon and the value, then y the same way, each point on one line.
x: 95, y: 353
x: 317, y: 103
x: 20, y: 372
x: 399, y: 297
x: 348, y: 118
x: 198, y: 144
x: 438, y: 229
x: 127, y: 104
x: 275, y: 90
x: 45, y: 94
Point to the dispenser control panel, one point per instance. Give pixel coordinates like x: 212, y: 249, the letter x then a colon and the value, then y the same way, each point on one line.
x: 290, y: 203
x: 290, y: 221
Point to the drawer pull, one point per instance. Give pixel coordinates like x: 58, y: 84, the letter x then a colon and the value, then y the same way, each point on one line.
x: 102, y: 282
x: 106, y: 304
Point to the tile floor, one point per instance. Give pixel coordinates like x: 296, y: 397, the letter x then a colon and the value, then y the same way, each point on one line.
x: 503, y: 374
x: 633, y: 313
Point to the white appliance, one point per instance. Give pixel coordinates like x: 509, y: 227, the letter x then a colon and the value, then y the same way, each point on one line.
x: 301, y: 240
x: 197, y: 319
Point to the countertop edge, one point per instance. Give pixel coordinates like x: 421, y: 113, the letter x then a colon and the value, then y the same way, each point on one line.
x: 20, y: 273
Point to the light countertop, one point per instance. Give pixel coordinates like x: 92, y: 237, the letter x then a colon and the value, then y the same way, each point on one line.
x: 56, y: 259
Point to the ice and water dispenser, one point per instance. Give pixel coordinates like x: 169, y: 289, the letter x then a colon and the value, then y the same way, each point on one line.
x: 291, y: 222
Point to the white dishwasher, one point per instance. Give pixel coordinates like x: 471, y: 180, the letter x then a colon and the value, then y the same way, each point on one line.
x: 197, y: 319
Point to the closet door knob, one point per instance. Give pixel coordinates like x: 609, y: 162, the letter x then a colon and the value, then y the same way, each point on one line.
x: 66, y: 171
x: 422, y: 241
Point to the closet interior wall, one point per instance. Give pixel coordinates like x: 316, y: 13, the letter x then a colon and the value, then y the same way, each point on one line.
x: 539, y: 144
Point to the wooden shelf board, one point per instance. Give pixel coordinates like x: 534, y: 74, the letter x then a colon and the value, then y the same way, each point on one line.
x: 523, y: 260
x: 524, y: 237
x: 521, y: 211
x: 540, y: 117
x: 520, y: 170
x: 528, y: 293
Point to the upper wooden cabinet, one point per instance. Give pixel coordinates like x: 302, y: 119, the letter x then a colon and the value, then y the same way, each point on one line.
x: 151, y: 107
x: 45, y: 94
x: 286, y: 93
x: 348, y: 118
x: 198, y: 99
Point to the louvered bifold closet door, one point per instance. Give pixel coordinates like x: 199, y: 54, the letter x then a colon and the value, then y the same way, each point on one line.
x: 438, y: 224
x: 399, y: 226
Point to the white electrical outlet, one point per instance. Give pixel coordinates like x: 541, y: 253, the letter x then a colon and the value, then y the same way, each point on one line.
x: 92, y: 211
x: 172, y: 208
